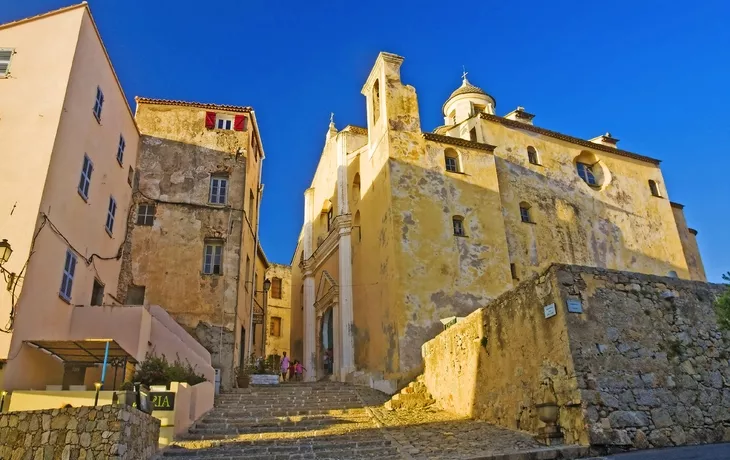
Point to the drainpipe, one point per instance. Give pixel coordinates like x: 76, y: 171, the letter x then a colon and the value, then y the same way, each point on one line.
x: 255, y: 254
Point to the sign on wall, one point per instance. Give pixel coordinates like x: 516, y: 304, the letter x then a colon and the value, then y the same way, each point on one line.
x: 550, y: 311
x: 258, y: 318
x: 575, y: 306
x: 163, y: 400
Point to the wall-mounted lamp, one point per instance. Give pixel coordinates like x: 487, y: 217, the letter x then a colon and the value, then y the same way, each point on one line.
x: 5, y: 251
x: 267, y: 285
x: 97, y: 385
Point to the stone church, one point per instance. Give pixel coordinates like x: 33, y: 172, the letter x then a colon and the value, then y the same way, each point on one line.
x: 406, y: 230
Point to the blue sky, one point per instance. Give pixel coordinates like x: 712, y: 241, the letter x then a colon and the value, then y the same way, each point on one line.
x: 653, y: 73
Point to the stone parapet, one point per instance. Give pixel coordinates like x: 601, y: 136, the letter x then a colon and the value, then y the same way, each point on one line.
x: 109, y: 432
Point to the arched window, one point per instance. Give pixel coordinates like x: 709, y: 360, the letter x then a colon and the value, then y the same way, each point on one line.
x: 376, y: 101
x: 356, y: 225
x: 451, y: 160
x: 452, y: 116
x: 585, y: 171
x: 458, y: 223
x: 654, y: 188
x: 356, y: 187
x: 525, y: 215
x: 532, y: 156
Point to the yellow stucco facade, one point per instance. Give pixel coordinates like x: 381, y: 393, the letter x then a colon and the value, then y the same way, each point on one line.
x: 192, y: 237
x: 403, y: 228
x: 278, y: 311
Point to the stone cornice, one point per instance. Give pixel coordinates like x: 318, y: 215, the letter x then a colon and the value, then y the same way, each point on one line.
x: 341, y: 225
x: 457, y: 141
x: 355, y: 130
x: 566, y: 138
x: 331, y: 296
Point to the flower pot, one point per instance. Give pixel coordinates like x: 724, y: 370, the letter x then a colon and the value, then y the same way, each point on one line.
x: 548, y: 412
x: 158, y: 387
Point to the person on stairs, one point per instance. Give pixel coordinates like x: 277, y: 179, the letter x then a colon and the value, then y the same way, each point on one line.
x: 284, y: 367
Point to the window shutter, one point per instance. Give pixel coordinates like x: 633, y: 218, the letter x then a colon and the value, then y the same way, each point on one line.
x: 239, y: 123
x: 210, y: 120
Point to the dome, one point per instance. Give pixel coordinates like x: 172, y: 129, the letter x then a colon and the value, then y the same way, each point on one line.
x: 468, y: 88
x: 466, y: 94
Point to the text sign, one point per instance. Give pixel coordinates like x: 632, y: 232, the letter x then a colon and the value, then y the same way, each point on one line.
x: 163, y: 400
x: 550, y: 310
x: 574, y: 306
x: 258, y: 318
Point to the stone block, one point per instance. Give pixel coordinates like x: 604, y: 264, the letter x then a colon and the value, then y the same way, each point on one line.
x: 661, y: 418
x: 624, y: 419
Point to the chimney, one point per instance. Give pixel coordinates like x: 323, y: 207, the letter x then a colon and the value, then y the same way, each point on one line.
x: 520, y: 115
x: 605, y: 139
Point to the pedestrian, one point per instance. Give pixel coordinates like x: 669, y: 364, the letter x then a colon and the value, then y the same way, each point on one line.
x: 292, y: 367
x: 298, y: 371
x: 284, y: 366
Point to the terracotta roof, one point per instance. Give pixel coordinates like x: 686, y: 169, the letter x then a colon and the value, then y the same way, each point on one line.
x: 564, y: 137
x: 228, y: 108
x: 457, y: 141
x: 468, y: 88
x: 356, y: 129
x: 43, y: 15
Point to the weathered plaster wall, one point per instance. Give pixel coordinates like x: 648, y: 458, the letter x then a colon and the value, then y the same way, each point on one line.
x: 119, y: 432
x: 297, y: 304
x: 653, y: 367
x: 178, y: 156
x: 688, y: 237
x: 619, y: 226
x: 281, y: 308
x: 494, y: 364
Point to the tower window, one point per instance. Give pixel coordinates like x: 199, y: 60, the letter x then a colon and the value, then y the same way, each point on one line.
x: 376, y: 101
x: 532, y: 155
x: 585, y: 171
x: 473, y: 135
x: 654, y: 188
x: 356, y: 187
x: 478, y: 108
x: 525, y: 212
x: 458, y: 223
x: 451, y: 159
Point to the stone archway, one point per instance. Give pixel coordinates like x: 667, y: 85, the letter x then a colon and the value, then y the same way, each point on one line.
x: 327, y: 343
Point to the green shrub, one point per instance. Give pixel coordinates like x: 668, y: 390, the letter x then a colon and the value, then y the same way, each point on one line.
x: 156, y: 370
x: 722, y: 306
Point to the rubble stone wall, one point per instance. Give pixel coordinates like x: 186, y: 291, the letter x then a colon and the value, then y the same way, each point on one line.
x: 651, y: 363
x: 106, y: 432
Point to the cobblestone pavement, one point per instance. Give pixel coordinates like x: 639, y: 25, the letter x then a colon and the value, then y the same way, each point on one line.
x: 706, y: 452
x: 430, y: 433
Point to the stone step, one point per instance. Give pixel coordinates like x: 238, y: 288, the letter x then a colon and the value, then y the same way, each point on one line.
x: 278, y: 413
x: 384, y: 453
x: 246, y: 421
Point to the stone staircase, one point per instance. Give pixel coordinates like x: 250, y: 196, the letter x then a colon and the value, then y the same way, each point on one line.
x: 414, y: 396
x: 323, y: 420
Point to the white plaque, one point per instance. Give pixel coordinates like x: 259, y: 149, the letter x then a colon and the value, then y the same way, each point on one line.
x: 550, y: 311
x: 574, y: 306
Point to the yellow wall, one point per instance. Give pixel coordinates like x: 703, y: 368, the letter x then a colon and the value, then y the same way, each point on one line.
x: 688, y: 237
x: 280, y: 308
x: 55, y: 121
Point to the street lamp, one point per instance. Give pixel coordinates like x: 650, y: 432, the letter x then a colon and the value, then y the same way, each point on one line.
x: 96, y: 398
x: 5, y: 251
x: 267, y: 285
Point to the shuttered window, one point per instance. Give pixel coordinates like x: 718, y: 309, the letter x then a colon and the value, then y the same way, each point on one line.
x: 276, y: 288
x: 5, y: 55
x: 120, y: 150
x: 67, y: 280
x: 85, y: 180
x: 98, y: 104
x: 218, y: 189
x: 110, y: 215
x: 213, y: 258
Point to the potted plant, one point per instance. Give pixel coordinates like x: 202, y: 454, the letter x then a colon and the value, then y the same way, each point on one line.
x: 242, y: 377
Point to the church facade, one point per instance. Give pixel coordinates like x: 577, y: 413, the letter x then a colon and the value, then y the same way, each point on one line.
x: 404, y: 229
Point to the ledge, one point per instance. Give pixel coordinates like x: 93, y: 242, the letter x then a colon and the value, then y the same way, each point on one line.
x: 459, y: 142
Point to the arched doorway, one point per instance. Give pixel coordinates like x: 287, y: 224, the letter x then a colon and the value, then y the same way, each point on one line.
x: 327, y: 345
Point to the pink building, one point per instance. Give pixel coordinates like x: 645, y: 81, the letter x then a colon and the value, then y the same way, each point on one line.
x: 69, y: 159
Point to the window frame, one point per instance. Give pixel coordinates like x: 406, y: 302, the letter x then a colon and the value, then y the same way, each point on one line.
x: 458, y: 221
x: 209, y: 265
x: 276, y: 281
x: 590, y: 176
x: 6, y: 74
x: 225, y: 119
x: 120, y: 150
x: 146, y: 218
x: 93, y: 293
x: 654, y: 188
x: 67, y: 278
x: 111, y: 214
x: 532, y: 156
x: 85, y: 180
x: 453, y: 167
x: 525, y: 214
x: 271, y: 326
x: 98, y: 104
x: 220, y: 179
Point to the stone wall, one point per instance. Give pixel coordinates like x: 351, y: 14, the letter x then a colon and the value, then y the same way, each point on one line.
x: 106, y: 432
x: 642, y: 365
x: 652, y: 365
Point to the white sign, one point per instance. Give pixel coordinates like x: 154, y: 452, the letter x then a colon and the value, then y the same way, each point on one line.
x: 574, y: 306
x: 550, y: 311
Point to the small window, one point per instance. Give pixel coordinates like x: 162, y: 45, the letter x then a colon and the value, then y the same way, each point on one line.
x: 330, y: 216
x: 250, y: 206
x: 275, y: 326
x: 120, y: 150
x: 248, y: 272
x: 213, y: 259
x: 276, y: 288
x: 513, y: 271
x: 135, y: 295
x: 458, y: 223
x: 654, y: 188
x: 532, y: 155
x: 67, y: 281
x: 473, y: 134
x: 130, y: 176
x: 146, y: 214
x: 478, y: 108
x: 356, y: 187
x: 585, y: 171
x: 111, y: 213
x: 218, y: 189
x: 97, y: 293
x: 98, y: 104
x: 224, y: 121
x: 85, y: 181
x: 5, y: 56
x: 525, y: 214
x: 376, y: 101
x: 451, y: 159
